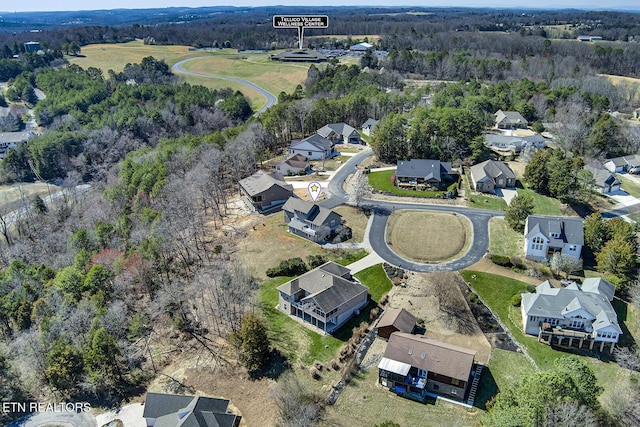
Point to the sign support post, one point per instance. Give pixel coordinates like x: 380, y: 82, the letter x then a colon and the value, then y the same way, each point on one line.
x: 300, y: 22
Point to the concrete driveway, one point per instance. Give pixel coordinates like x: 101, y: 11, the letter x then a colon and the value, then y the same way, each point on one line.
x: 506, y: 193
x: 130, y: 415
x: 623, y: 199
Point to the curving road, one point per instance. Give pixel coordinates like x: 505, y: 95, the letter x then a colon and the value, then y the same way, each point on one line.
x: 479, y: 219
x: 271, y: 99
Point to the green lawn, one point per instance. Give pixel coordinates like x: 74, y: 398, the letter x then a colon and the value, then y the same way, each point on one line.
x: 301, y: 344
x: 629, y: 186
x: 376, y: 279
x: 481, y: 201
x: 504, y: 368
x: 496, y: 291
x: 543, y: 205
x: 503, y: 240
x: 381, y: 181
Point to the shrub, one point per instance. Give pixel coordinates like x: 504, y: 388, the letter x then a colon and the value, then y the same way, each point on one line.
x: 316, y: 260
x: 518, y: 263
x: 473, y: 298
x: 501, y: 260
x: 531, y: 288
x: 516, y: 300
x: 289, y: 267
x: 315, y: 373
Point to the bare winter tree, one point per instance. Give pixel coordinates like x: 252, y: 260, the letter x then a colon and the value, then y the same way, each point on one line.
x: 573, y: 133
x: 452, y: 303
x: 565, y: 263
x: 624, y: 403
x: 297, y: 405
x: 359, y: 188
x: 569, y: 414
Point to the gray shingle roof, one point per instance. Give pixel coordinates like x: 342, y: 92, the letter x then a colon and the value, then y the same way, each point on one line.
x: 434, y: 356
x: 328, y: 290
x: 571, y: 229
x: 512, y: 117
x: 603, y: 177
x: 342, y: 129
x: 313, y: 213
x: 261, y: 181
x: 491, y: 169
x: 318, y: 141
x: 172, y: 410
x: 422, y: 168
x: 370, y: 123
x: 556, y: 302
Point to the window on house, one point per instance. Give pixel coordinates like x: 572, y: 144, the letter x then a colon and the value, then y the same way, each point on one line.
x: 310, y: 153
x: 455, y: 381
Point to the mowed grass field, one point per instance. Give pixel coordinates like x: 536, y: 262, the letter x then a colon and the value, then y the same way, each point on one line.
x: 257, y: 68
x: 428, y: 236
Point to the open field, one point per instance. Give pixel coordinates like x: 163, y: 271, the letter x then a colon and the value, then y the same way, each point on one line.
x: 275, y: 77
x: 14, y: 192
x: 257, y: 68
x: 419, y: 236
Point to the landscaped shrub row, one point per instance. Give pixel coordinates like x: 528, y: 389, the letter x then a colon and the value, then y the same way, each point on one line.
x: 393, y: 272
x: 289, y: 267
x: 501, y: 260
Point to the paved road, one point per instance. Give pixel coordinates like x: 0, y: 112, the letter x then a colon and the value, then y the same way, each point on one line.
x: 63, y: 419
x: 479, y: 219
x: 271, y: 99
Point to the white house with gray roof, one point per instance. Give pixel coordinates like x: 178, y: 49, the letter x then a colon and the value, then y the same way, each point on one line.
x: 340, y: 133
x: 544, y: 235
x: 604, y: 181
x: 314, y: 147
x: 309, y: 220
x: 622, y: 163
x: 10, y: 140
x: 325, y: 297
x: 573, y: 316
x: 367, y: 127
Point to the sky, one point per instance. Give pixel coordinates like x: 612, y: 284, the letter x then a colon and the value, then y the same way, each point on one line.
x: 66, y: 5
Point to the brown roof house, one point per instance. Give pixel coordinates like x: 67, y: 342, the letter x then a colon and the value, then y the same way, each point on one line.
x: 266, y: 192
x: 510, y: 120
x: 396, y: 320
x: 309, y: 220
x: 293, y: 165
x: 417, y: 367
x: 172, y: 410
x: 492, y: 174
x: 325, y: 297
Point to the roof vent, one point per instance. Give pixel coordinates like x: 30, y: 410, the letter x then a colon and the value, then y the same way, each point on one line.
x: 424, y: 355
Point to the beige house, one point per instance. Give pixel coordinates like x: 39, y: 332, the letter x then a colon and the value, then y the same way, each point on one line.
x: 325, y: 297
x: 492, y: 174
x: 510, y: 120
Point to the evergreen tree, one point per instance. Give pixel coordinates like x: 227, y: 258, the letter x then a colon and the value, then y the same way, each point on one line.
x: 254, y: 347
x: 518, y: 211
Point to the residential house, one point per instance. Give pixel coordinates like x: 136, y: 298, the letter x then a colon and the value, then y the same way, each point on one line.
x: 340, y: 133
x: 361, y: 47
x: 502, y: 143
x: 510, y: 120
x: 623, y: 163
x: 172, y: 410
x: 395, y: 320
x: 293, y: 165
x: 416, y: 367
x: 314, y: 147
x: 492, y: 174
x: 309, y: 220
x: 266, y: 191
x: 10, y: 140
x: 605, y: 182
x: 422, y: 173
x: 325, y: 297
x: 367, y: 127
x: 544, y: 235
x: 573, y: 316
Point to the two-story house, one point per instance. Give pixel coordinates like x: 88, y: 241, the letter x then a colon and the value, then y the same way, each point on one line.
x: 574, y: 316
x: 340, y: 133
x: 325, y: 297
x: 265, y: 191
x: 314, y: 147
x: 416, y: 367
x: 309, y: 220
x: 544, y: 235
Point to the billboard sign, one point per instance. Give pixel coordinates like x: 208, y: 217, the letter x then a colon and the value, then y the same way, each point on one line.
x: 297, y: 21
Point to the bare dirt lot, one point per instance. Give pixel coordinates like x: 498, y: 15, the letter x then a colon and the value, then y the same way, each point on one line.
x: 418, y: 236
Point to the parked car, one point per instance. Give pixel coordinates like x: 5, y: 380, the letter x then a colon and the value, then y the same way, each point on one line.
x: 635, y: 170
